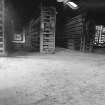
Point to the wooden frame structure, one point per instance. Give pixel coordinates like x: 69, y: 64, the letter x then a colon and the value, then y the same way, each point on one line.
x: 78, y: 33
x: 47, y: 32
x: 2, y: 29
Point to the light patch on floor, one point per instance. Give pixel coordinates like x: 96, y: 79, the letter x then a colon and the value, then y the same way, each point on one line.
x: 64, y: 78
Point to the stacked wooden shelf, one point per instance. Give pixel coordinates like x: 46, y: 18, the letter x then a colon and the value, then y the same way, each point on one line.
x: 35, y: 34
x: 47, y: 33
x: 87, y: 40
x: 2, y: 41
x: 73, y: 32
x: 99, y: 35
x: 79, y: 33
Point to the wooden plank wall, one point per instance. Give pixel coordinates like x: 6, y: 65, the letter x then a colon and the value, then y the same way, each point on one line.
x: 90, y: 35
x: 73, y: 32
x: 2, y: 39
x: 34, y: 33
x: 78, y: 33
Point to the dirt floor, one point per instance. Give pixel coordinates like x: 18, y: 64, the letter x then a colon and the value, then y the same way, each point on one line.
x: 64, y: 78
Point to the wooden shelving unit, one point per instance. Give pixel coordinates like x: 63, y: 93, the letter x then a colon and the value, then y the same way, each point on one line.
x: 99, y: 36
x: 78, y: 35
x: 34, y: 33
x: 2, y: 39
x: 73, y: 32
x: 47, y: 33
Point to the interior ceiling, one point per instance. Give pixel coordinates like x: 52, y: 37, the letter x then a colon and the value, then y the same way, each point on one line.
x: 92, y: 5
x: 30, y: 5
x: 29, y: 8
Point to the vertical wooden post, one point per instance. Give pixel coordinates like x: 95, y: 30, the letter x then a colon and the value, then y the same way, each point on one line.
x: 83, y: 37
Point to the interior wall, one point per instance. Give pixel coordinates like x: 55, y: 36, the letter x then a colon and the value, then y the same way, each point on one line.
x: 67, y: 32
